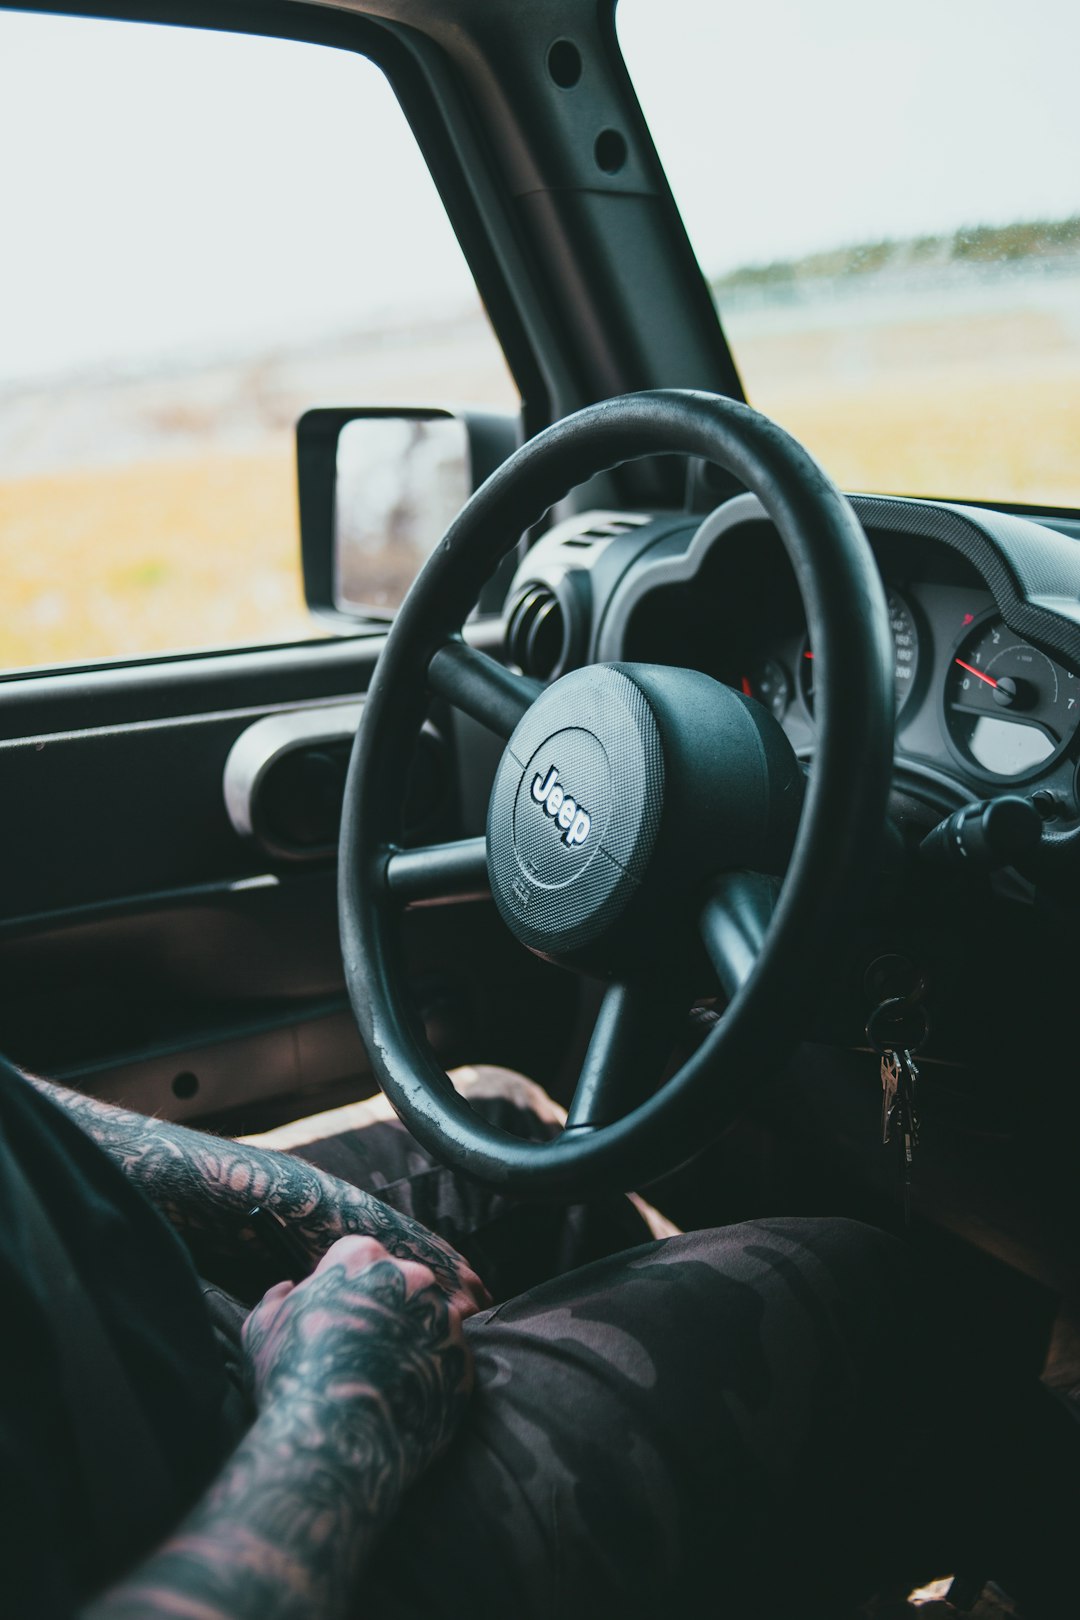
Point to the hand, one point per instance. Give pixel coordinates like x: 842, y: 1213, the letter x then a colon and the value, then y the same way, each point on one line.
x: 368, y: 1354
x: 406, y: 1239
x: 346, y: 1211
x: 320, y: 1209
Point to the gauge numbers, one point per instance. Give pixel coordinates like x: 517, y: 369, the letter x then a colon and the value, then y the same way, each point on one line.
x: 1009, y: 709
x: 768, y: 683
x: 905, y: 636
x: 905, y: 647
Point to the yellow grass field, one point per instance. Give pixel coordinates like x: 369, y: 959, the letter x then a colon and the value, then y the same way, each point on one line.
x: 197, y: 551
x: 162, y: 556
x: 979, y: 433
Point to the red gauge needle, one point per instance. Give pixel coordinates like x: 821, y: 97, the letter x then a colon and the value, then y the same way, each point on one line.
x: 976, y: 672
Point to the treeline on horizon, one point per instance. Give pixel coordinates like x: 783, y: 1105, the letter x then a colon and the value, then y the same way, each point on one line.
x: 971, y: 245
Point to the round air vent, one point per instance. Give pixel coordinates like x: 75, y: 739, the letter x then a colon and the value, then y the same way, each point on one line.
x: 536, y: 630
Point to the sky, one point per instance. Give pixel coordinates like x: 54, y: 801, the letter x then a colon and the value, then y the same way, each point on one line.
x: 791, y: 125
x: 169, y: 192
x: 224, y: 191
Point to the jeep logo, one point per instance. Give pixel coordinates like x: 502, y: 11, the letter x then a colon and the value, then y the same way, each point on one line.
x: 575, y: 822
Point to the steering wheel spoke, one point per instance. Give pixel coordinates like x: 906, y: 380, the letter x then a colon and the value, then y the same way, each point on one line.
x: 437, y: 873
x: 479, y: 687
x: 733, y: 923
x: 631, y: 1043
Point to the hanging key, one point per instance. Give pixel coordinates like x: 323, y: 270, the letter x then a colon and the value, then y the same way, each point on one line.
x: 896, y: 1029
x: 890, y: 1075
x: 907, y: 1124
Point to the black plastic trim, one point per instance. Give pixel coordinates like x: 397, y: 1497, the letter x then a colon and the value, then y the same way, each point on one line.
x: 1026, y: 565
x: 59, y: 702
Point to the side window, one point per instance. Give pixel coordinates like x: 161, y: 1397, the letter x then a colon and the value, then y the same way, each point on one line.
x: 204, y: 235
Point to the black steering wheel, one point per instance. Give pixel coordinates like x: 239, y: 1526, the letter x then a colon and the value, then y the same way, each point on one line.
x: 641, y: 820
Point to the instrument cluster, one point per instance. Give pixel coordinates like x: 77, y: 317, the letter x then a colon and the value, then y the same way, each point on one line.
x: 972, y: 696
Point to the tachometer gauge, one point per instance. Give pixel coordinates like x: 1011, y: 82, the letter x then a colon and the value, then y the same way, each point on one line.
x: 1009, y: 710
x: 768, y: 683
x: 905, y: 636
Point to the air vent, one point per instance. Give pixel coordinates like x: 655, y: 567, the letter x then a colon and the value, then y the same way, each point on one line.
x: 608, y: 526
x: 536, y: 630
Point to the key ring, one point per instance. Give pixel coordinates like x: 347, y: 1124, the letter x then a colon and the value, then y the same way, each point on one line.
x: 899, y: 1011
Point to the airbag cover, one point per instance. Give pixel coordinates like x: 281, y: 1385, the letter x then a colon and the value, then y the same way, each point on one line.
x: 575, y: 809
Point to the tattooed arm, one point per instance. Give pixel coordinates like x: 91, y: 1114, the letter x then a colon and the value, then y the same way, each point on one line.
x: 205, y: 1184
x: 360, y: 1375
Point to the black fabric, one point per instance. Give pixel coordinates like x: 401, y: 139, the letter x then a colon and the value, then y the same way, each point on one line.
x: 697, y: 1427
x: 148, y: 1300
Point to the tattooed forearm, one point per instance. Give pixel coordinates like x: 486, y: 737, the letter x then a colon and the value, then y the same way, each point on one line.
x: 205, y: 1184
x: 281, y: 1534
x: 360, y: 1375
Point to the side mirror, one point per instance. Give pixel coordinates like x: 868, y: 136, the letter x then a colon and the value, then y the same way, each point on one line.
x: 378, y: 489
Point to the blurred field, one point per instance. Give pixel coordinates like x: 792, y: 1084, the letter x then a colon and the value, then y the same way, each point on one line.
x: 157, y: 512
x: 985, y: 432
x: 116, y: 561
x: 979, y: 402
x: 170, y: 546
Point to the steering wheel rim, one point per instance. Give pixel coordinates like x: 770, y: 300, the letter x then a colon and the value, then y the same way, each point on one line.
x: 837, y: 836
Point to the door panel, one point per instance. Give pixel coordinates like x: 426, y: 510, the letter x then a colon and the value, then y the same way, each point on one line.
x: 153, y: 955
x: 113, y: 781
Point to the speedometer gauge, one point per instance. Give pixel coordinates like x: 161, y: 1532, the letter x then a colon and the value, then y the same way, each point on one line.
x: 1009, y: 710
x: 905, y: 647
x: 905, y: 637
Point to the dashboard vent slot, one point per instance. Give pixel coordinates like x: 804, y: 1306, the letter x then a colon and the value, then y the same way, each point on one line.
x: 608, y: 528
x: 536, y: 630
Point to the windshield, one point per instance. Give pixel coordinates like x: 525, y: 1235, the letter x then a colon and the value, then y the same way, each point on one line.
x: 886, y: 203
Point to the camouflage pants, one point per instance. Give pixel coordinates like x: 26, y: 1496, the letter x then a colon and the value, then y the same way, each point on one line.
x: 695, y: 1426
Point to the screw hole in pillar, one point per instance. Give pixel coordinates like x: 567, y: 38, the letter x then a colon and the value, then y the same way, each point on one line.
x: 610, y: 151
x: 564, y: 63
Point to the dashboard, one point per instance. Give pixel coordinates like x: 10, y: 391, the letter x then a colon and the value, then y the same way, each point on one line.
x: 984, y: 609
